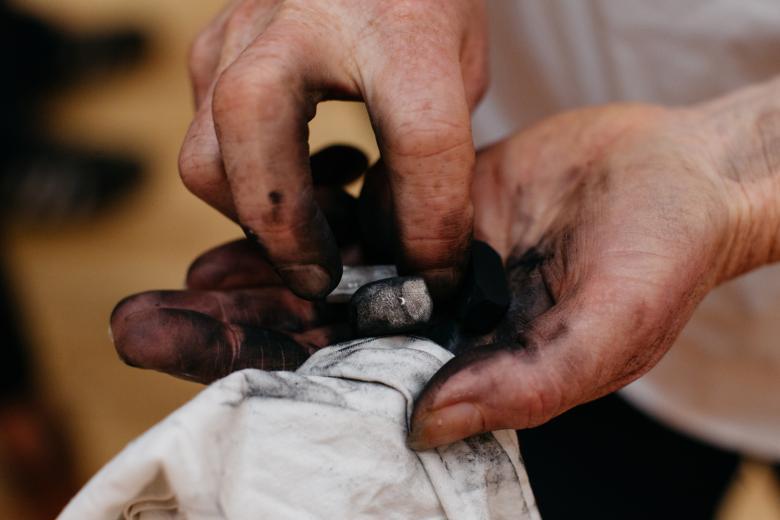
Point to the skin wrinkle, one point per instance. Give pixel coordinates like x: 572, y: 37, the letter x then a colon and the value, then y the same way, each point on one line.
x: 768, y: 126
x: 235, y: 340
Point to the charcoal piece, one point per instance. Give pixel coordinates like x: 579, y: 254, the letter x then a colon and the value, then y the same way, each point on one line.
x: 337, y: 165
x: 485, y: 295
x: 390, y: 306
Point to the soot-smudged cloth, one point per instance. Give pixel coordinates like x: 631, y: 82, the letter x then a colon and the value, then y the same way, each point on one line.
x: 326, y: 441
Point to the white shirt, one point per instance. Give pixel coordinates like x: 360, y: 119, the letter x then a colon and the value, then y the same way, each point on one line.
x: 721, y: 381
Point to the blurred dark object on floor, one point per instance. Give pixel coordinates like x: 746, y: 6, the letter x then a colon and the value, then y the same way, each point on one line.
x: 40, y: 179
x: 605, y: 459
x: 43, y: 181
x: 35, y: 458
x: 46, y: 183
x: 45, y: 57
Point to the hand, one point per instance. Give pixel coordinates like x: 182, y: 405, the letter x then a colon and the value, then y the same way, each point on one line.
x: 235, y: 312
x: 614, y: 223
x: 258, y: 73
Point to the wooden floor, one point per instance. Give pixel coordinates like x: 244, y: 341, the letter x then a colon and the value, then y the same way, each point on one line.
x: 70, y: 279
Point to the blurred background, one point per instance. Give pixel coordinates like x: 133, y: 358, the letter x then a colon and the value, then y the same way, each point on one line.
x: 96, y: 103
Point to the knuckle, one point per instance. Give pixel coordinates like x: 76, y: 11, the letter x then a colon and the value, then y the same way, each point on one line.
x: 196, y: 170
x: 243, y: 16
x: 257, y: 88
x: 410, y: 138
x: 199, y: 54
x: 426, y: 124
x: 233, y: 90
x: 538, y: 405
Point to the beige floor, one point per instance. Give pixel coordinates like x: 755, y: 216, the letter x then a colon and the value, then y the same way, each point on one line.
x: 70, y: 279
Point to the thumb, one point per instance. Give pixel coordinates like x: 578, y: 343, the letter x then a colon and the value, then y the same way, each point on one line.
x: 590, y: 343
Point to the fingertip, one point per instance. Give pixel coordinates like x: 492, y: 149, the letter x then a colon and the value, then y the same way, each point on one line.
x: 311, y: 281
x: 445, y: 426
x: 119, y: 329
x: 124, y: 308
x: 443, y: 283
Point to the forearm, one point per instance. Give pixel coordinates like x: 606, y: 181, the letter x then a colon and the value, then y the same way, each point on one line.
x: 744, y: 128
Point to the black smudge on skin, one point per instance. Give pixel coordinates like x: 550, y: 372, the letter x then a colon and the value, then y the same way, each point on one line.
x: 530, y: 297
x: 276, y: 197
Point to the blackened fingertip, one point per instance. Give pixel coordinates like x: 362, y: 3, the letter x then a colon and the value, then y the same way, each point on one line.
x: 116, y: 312
x: 415, y: 440
x: 443, y: 284
x: 311, y: 281
x: 445, y: 426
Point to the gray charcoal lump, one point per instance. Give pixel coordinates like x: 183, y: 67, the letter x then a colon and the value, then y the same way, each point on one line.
x: 391, y: 306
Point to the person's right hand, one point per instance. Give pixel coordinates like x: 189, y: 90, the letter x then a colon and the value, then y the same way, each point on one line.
x: 258, y: 72
x: 614, y: 223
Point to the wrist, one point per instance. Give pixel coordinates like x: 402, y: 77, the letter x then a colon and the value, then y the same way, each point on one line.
x: 744, y: 133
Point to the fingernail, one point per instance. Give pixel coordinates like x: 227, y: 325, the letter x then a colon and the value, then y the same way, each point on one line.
x: 310, y: 281
x: 445, y: 426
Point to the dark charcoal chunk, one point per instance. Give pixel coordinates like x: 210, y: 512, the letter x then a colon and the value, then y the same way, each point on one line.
x: 485, y: 294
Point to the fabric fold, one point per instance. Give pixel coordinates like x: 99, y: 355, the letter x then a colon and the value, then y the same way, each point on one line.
x: 327, y: 441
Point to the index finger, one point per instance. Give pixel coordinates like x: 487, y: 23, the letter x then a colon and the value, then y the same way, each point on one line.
x: 262, y: 104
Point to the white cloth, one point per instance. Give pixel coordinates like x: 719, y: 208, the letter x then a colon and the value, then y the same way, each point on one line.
x: 327, y: 441
x: 721, y: 381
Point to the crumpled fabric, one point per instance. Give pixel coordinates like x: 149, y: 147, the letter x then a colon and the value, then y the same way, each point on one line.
x: 326, y: 441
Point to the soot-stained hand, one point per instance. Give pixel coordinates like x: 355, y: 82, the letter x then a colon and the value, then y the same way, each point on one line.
x: 613, y: 222
x: 236, y: 312
x: 258, y: 72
